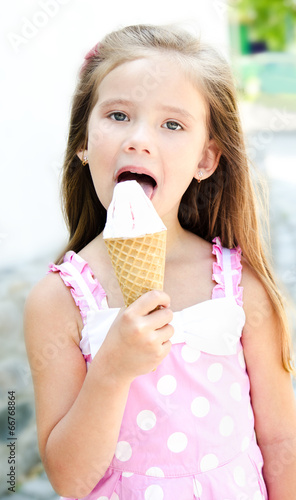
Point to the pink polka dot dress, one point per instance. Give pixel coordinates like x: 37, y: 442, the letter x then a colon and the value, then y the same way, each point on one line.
x: 188, y: 428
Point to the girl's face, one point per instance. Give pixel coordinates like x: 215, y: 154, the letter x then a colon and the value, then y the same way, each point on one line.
x: 149, y: 124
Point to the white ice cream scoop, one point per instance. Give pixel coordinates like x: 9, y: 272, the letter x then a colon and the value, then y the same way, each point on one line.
x: 131, y: 213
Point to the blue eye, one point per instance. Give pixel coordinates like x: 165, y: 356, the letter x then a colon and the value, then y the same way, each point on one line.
x: 174, y: 125
x: 118, y: 116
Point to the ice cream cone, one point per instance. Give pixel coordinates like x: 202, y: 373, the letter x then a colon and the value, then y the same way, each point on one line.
x: 138, y: 263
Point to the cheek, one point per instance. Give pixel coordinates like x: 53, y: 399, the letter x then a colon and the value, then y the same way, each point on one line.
x: 101, y: 152
x: 99, y: 134
x: 187, y: 147
x: 184, y: 162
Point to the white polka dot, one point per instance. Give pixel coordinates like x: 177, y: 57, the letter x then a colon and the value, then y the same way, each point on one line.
x: 200, y: 406
x: 197, y: 488
x: 241, y: 359
x: 258, y: 496
x: 245, y: 443
x: 102, y: 498
x: 155, y: 472
x: 236, y: 391
x: 239, y: 476
x: 114, y: 496
x: 226, y: 426
x: 189, y: 355
x: 127, y: 474
x: 177, y: 442
x: 166, y: 385
x: 209, y: 462
x: 146, y: 420
x: 154, y: 492
x: 123, y: 451
x: 214, y: 372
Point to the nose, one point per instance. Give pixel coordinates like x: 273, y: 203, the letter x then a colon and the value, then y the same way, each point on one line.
x: 139, y: 140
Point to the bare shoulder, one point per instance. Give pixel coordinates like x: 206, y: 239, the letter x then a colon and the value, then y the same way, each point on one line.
x: 257, y: 303
x: 50, y: 300
x: 250, y: 280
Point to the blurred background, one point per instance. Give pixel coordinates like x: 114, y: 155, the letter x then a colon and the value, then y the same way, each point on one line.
x: 43, y: 45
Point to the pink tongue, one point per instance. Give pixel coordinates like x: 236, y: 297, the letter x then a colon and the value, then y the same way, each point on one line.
x: 147, y: 188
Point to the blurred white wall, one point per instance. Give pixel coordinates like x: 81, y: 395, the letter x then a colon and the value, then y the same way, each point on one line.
x: 43, y: 44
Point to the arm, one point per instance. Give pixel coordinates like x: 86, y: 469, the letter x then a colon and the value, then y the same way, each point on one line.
x: 272, y: 394
x: 78, y: 432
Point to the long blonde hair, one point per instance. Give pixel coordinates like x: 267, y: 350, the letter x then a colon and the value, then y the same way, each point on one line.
x: 226, y: 204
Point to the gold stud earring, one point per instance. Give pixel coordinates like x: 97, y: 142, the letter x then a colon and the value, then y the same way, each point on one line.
x: 84, y: 161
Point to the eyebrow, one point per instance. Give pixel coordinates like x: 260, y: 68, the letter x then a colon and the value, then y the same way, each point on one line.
x: 179, y: 111
x: 113, y: 102
x: 126, y: 102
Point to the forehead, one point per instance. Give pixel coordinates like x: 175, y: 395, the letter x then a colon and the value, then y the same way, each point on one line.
x: 159, y: 78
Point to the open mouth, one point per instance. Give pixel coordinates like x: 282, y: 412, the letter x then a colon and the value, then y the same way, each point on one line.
x: 147, y: 183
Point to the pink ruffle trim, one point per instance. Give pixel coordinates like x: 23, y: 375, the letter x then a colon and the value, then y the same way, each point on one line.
x: 83, y: 268
x: 218, y: 275
x: 94, y: 286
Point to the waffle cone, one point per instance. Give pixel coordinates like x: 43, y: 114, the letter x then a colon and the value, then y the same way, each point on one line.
x: 138, y: 263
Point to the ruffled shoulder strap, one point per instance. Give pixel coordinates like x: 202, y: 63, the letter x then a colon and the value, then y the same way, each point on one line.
x: 227, y: 272
x: 85, y: 288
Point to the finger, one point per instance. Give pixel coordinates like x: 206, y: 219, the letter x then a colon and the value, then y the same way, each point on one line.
x: 159, y: 318
x: 165, y: 333
x: 150, y: 301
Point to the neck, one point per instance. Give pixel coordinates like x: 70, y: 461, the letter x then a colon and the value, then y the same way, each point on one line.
x: 175, y: 237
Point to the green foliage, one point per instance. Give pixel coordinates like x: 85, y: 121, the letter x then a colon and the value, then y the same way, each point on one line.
x: 272, y: 21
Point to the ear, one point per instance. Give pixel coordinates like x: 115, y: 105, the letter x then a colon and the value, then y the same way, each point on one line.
x: 210, y: 159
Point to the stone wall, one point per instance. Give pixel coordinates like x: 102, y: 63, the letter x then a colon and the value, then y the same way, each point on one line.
x: 15, y: 285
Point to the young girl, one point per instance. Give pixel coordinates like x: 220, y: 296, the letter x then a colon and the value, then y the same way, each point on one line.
x: 192, y: 400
